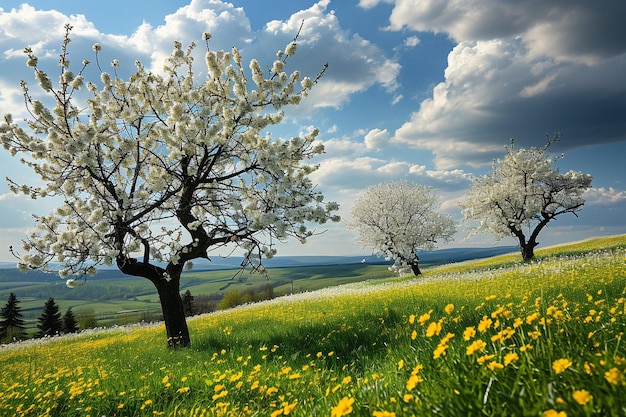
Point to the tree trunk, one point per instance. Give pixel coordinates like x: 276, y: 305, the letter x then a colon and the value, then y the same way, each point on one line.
x: 415, y: 268
x: 528, y: 251
x: 169, y: 295
x: 173, y: 312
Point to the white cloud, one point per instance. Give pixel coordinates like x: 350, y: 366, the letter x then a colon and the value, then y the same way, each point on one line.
x: 519, y: 70
x: 604, y: 196
x: 411, y: 41
x: 377, y: 139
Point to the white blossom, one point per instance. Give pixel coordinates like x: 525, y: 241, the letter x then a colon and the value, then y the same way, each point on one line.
x: 397, y: 219
x: 522, y: 195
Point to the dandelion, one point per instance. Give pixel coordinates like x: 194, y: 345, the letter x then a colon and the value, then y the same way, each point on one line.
x: 553, y: 413
x: 440, y: 351
x: 493, y: 366
x: 434, y: 328
x: 413, y: 335
x: 383, y: 414
x: 343, y: 408
x: 400, y: 364
x: 412, y: 382
x: 424, y: 318
x: 475, y: 346
x: 484, y: 324
x: 469, y: 333
x: 582, y: 396
x: 449, y: 308
x: 560, y: 365
x: 614, y: 376
x: 412, y: 319
x: 531, y: 318
x: 509, y: 358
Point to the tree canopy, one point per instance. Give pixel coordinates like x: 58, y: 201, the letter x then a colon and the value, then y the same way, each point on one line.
x: 163, y: 168
x: 523, y: 193
x: 397, y: 219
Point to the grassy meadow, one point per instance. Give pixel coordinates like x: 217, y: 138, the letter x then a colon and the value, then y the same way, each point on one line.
x: 493, y: 337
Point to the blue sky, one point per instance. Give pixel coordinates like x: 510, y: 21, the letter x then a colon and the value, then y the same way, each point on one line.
x: 427, y: 91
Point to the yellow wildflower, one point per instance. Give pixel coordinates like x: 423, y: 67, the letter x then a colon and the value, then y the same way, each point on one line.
x: 434, y: 328
x: 412, y: 319
x: 614, y: 376
x: 343, y: 408
x: 560, y: 365
x: 531, y: 318
x: 554, y: 413
x: 510, y: 358
x: 469, y: 333
x: 449, y: 308
x: 484, y: 324
x: 383, y: 414
x: 493, y: 366
x: 413, y: 335
x: 288, y: 408
x: 475, y: 346
x: 400, y: 364
x: 412, y: 382
x: 582, y: 396
x: 440, y: 350
x: 424, y: 318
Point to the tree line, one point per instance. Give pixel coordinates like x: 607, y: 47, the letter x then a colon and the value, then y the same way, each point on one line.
x: 13, y: 326
x: 50, y: 322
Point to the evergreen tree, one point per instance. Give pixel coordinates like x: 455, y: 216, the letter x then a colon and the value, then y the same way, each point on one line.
x: 12, y: 325
x: 70, y: 325
x: 188, y: 303
x: 50, y: 322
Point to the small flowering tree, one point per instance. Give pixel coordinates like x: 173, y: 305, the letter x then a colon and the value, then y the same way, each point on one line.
x: 523, y: 193
x: 397, y: 219
x: 158, y: 170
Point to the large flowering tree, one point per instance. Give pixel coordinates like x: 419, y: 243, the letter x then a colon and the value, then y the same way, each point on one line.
x: 157, y: 170
x: 399, y: 218
x: 523, y: 193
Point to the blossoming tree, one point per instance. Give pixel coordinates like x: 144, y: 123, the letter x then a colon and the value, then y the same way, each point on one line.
x: 158, y: 170
x: 523, y: 193
x: 397, y: 219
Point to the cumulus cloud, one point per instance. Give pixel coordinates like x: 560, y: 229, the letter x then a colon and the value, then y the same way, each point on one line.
x: 518, y: 70
x: 349, y: 173
x: 376, y: 139
x: 604, y: 196
x: 355, y: 63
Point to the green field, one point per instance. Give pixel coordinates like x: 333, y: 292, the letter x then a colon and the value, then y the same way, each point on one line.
x: 493, y: 337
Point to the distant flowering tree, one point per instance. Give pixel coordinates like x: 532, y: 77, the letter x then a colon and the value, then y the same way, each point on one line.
x: 157, y: 170
x: 397, y: 219
x: 523, y: 193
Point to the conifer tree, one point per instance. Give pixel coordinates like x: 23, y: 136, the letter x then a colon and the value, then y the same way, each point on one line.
x: 12, y: 325
x: 50, y: 322
x: 70, y: 325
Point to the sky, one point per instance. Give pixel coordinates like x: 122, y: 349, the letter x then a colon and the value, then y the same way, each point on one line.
x: 426, y: 91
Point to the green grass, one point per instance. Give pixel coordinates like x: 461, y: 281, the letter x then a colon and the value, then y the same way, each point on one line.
x: 492, y: 337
